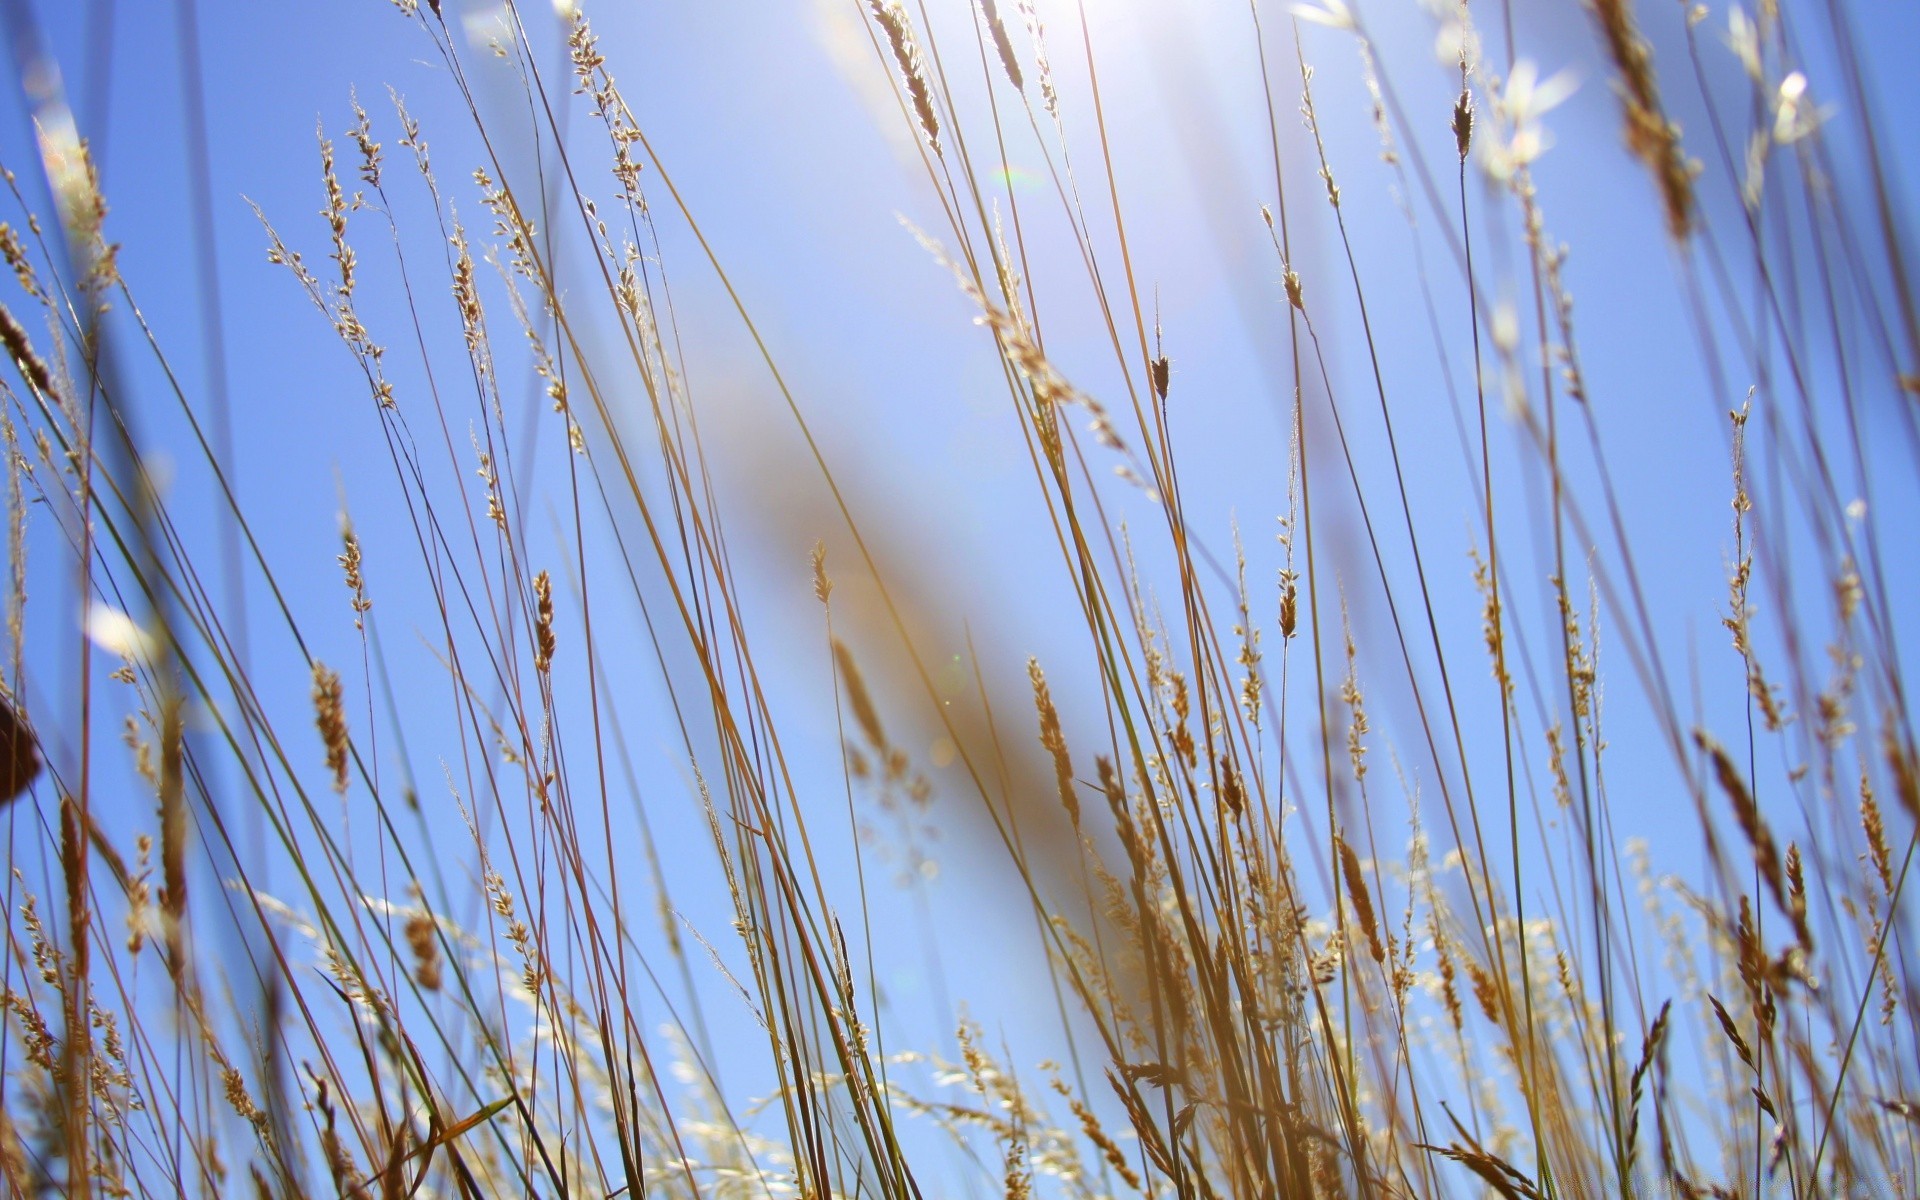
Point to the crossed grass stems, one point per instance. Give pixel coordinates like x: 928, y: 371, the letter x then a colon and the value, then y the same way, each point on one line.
x: 1255, y: 1001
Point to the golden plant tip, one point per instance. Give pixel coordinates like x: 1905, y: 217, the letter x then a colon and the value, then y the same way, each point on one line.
x: 1294, y: 293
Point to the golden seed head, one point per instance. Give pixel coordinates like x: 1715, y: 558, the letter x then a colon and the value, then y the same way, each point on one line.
x: 543, y: 640
x: 1002, y: 44
x: 1054, y: 741
x: 330, y: 718
x: 913, y: 69
x: 1463, y: 123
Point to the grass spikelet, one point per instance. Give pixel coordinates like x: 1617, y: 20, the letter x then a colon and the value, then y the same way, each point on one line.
x: 1361, y: 897
x: 1097, y: 1134
x: 1650, y: 1049
x: 1503, y: 1177
x: 362, y: 134
x: 139, y: 894
x: 1049, y: 96
x: 543, y: 640
x: 423, y: 942
x: 1355, y: 700
x: 1233, y: 792
x: 1485, y: 990
x: 1463, y: 123
x: 14, y: 252
x: 19, y: 347
x: 13, y: 1158
x: 1021, y: 344
x: 76, y: 1048
x: 1289, y: 604
x: 1002, y: 44
x: 1906, y: 773
x: 893, y: 18
x: 822, y: 584
x: 347, y: 1179
x: 1054, y: 740
x: 1797, y: 896
x: 330, y: 717
x: 1746, y: 811
x: 1874, y: 825
x: 1449, y: 977
x: 858, y: 698
x: 1732, y: 1030
x: 1651, y: 136
x: 336, y: 215
x: 350, y: 566
x: 173, y: 839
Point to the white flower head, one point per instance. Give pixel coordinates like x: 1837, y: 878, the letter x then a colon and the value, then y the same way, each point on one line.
x: 1743, y: 38
x: 1334, y: 14
x: 1793, y: 117
x: 119, y: 634
x: 1520, y: 101
x: 1527, y: 96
